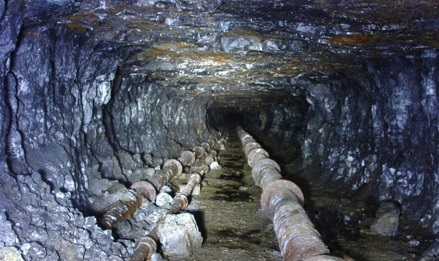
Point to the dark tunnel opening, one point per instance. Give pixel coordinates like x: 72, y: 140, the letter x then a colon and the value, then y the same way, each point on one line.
x: 101, y: 95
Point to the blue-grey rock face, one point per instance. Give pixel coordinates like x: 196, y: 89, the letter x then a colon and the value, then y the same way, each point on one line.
x: 378, y: 135
x: 90, y: 89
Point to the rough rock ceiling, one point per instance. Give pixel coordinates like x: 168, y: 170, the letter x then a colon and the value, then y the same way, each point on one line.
x: 255, y: 48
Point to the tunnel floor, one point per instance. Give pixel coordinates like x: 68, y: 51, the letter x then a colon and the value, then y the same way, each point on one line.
x: 234, y: 228
x: 229, y: 210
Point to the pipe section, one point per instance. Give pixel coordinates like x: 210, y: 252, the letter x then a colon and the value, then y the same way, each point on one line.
x: 187, y: 158
x: 148, y: 189
x: 199, y: 152
x: 181, y: 199
x: 282, y: 202
x: 119, y: 211
x: 145, y: 247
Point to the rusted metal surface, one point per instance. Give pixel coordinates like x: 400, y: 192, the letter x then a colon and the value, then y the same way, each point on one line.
x: 187, y: 158
x: 170, y: 169
x: 145, y: 189
x: 250, y: 146
x: 280, y: 184
x: 265, y: 171
x: 193, y: 180
x: 144, y: 248
x: 206, y: 146
x: 147, y: 245
x: 208, y: 160
x: 120, y: 211
x: 282, y: 202
x: 199, y: 152
x: 148, y: 189
x: 255, y: 155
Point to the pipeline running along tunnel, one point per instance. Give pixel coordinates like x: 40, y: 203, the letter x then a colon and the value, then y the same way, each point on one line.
x: 219, y: 130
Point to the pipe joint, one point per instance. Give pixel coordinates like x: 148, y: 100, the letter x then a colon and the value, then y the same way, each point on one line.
x: 145, y: 189
x: 199, y: 152
x: 187, y: 158
x: 182, y: 200
x: 144, y: 249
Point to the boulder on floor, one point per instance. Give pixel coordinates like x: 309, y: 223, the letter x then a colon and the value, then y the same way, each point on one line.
x: 179, y: 236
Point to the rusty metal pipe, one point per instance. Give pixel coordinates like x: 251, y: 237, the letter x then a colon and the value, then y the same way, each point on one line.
x: 206, y: 146
x: 187, y: 158
x: 282, y: 202
x: 256, y: 155
x: 181, y: 199
x: 199, y: 152
x: 119, y: 211
x: 193, y: 180
x: 213, y: 153
x: 171, y: 168
x: 148, y: 189
x: 259, y: 171
x: 144, y: 248
x: 215, y: 144
x: 250, y: 146
x: 297, y: 237
x: 147, y: 245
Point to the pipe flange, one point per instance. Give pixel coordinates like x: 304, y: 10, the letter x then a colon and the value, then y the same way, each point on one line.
x: 274, y: 186
x: 196, y: 177
x: 251, y: 146
x: 262, y: 164
x: 247, y: 139
x: 187, y: 158
x: 183, y: 199
x: 257, y: 157
x: 199, y: 151
x: 176, y: 166
x: 213, y: 153
x: 144, y: 248
x: 252, y: 155
x: 211, y: 143
x: 145, y: 189
x: 206, y: 146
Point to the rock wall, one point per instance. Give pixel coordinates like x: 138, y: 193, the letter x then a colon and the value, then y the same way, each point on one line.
x: 67, y: 112
x: 374, y: 134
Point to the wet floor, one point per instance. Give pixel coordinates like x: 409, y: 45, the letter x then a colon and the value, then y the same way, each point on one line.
x: 234, y: 228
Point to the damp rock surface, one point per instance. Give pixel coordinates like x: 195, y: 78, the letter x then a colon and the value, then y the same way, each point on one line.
x: 342, y: 94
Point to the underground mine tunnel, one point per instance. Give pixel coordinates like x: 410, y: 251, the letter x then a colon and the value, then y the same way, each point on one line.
x: 130, y: 130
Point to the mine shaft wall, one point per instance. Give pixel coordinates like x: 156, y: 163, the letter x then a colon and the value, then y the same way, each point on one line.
x: 374, y: 134
x: 68, y: 107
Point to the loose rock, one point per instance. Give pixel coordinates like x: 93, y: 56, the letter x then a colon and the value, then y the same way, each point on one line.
x: 215, y: 166
x: 387, y: 220
x: 179, y: 236
x: 164, y: 200
x: 10, y: 254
